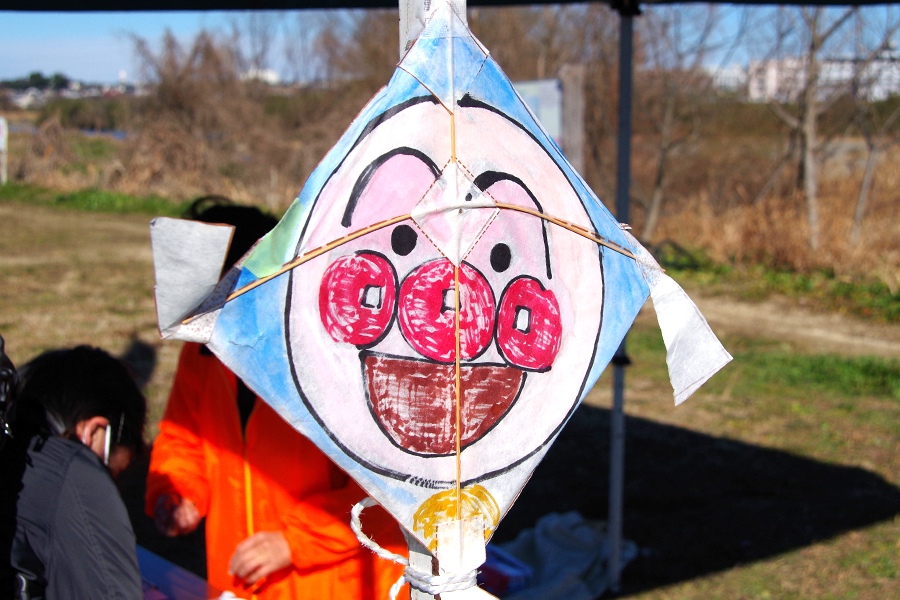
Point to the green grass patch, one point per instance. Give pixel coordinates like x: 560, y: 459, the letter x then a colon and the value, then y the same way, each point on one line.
x: 771, y: 369
x: 92, y: 200
x: 819, y: 289
x: 798, y: 375
x: 25, y: 194
x: 93, y: 148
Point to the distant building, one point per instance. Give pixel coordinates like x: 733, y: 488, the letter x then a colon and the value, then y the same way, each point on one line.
x: 780, y: 79
x: 732, y: 78
x: 269, y: 76
x: 783, y: 79
x: 29, y: 99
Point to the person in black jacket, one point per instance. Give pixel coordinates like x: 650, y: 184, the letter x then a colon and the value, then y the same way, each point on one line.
x: 64, y: 531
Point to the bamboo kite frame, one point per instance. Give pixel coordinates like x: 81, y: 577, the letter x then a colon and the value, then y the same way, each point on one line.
x: 585, y: 233
x: 382, y: 224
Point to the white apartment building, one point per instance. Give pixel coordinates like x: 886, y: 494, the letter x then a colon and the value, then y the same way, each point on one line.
x: 783, y: 79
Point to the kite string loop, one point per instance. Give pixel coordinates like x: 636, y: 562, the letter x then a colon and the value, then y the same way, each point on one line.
x: 424, y: 582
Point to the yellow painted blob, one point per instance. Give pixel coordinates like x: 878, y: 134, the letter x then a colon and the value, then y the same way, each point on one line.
x: 444, y: 508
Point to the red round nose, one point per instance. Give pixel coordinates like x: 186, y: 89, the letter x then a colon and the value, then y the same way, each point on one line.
x: 356, y: 298
x: 529, y: 328
x: 427, y: 311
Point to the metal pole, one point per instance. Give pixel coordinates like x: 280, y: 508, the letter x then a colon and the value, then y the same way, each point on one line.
x: 620, y: 360
x: 616, y: 468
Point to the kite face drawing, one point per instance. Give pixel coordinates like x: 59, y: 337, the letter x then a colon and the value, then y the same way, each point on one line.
x: 385, y: 302
x: 439, y: 298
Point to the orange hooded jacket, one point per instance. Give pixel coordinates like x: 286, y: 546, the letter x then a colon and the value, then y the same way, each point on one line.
x: 271, y: 478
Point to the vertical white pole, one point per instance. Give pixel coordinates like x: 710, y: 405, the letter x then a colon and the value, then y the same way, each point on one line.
x: 4, y: 149
x: 620, y: 360
x: 413, y: 14
x: 572, y: 77
x: 412, y: 21
x: 421, y: 560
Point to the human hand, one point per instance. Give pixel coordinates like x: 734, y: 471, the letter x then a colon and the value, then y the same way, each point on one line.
x: 259, y: 555
x: 175, y: 515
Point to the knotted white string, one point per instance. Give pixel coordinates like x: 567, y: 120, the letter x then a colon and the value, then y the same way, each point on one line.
x: 424, y: 582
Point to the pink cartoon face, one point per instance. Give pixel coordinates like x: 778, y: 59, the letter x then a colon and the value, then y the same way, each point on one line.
x: 372, y: 326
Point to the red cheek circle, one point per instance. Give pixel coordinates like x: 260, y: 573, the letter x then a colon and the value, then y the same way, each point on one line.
x: 529, y: 328
x: 426, y: 311
x: 356, y: 298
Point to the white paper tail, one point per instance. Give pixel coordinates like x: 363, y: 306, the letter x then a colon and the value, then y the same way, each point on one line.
x: 693, y: 352
x: 187, y: 261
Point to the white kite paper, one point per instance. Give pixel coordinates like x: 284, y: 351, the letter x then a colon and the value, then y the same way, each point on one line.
x: 442, y: 294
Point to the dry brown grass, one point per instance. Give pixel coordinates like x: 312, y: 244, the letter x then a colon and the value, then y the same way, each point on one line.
x: 201, y: 130
x: 709, y: 206
x: 162, y: 160
x: 73, y: 278
x: 774, y: 231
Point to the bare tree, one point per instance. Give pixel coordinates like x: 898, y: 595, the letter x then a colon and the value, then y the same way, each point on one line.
x: 531, y: 42
x: 196, y: 86
x: 199, y: 124
x: 875, y: 131
x: 599, y: 35
x: 875, y: 126
x: 676, y: 44
x: 813, y: 80
x: 536, y: 42
x: 512, y: 35
x: 253, y: 35
x: 360, y: 47
x: 301, y: 56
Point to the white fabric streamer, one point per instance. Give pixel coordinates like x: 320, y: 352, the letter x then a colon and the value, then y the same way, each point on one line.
x: 693, y: 352
x: 424, y: 582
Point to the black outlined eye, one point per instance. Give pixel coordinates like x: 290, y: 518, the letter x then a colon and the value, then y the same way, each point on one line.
x: 403, y: 239
x: 500, y: 257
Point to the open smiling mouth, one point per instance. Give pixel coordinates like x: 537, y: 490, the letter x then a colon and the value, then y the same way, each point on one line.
x: 415, y: 401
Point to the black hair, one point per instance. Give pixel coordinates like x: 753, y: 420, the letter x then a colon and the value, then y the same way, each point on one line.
x: 249, y: 222
x: 61, y: 388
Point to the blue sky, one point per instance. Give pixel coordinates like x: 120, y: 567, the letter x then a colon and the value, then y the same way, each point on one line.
x: 95, y: 47
x: 92, y: 47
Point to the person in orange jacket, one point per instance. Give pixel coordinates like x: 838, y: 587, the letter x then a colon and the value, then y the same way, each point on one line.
x: 277, y: 509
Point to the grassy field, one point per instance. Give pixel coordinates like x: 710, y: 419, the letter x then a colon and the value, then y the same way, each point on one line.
x: 778, y: 480
x: 829, y: 411
x: 73, y: 277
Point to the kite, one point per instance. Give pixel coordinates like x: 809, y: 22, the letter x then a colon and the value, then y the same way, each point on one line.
x: 437, y: 301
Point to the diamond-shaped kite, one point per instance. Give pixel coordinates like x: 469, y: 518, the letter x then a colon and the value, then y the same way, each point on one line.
x: 437, y: 301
